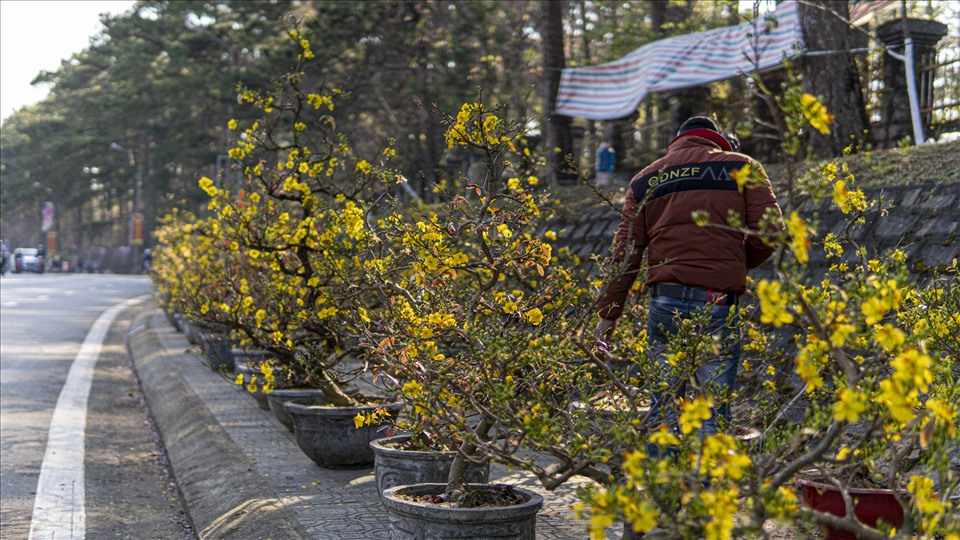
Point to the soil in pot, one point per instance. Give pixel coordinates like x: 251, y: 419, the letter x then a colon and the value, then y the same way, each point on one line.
x: 870, y: 506
x: 415, y: 516
x: 400, y: 463
x: 330, y: 437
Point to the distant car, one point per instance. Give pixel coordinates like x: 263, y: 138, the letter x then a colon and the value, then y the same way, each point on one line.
x: 27, y: 260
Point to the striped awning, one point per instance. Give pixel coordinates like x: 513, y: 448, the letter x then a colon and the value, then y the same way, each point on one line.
x: 614, y: 90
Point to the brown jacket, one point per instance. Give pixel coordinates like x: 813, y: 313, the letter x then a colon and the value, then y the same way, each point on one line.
x: 693, y: 175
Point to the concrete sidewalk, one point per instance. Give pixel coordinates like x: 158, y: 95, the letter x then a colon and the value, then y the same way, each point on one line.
x: 241, y: 472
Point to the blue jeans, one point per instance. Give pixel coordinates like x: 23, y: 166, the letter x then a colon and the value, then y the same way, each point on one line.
x: 714, y: 377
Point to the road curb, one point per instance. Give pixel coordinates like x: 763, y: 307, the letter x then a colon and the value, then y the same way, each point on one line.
x: 223, y: 496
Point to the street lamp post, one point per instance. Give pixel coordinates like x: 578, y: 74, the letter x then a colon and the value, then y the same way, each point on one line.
x: 135, y: 241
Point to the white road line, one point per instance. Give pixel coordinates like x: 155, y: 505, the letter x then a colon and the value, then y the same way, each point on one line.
x: 58, y: 510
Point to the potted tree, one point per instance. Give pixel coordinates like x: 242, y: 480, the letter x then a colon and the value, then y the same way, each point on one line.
x: 289, y: 236
x: 481, y: 324
x: 868, y: 390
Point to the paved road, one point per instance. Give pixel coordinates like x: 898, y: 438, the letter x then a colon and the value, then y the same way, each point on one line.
x: 44, y: 321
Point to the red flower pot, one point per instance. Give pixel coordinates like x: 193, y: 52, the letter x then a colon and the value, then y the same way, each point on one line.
x: 869, y: 506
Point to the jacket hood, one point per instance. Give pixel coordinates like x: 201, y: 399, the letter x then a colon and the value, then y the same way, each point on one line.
x: 708, y: 134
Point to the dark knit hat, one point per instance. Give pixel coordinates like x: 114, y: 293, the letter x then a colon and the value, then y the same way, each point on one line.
x: 698, y: 122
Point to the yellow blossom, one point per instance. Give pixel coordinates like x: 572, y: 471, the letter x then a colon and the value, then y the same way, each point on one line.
x: 849, y: 406
x: 663, y: 437
x: 773, y: 308
x: 799, y: 236
x: 363, y: 166
x: 533, y: 316
x: 741, y: 176
x: 693, y: 414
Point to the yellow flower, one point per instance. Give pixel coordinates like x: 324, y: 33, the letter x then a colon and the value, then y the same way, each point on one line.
x: 832, y: 246
x: 773, y: 308
x: 799, y: 236
x: 849, y: 406
x: 693, y: 414
x: 413, y: 389
x: 889, y: 337
x: 363, y: 166
x: 943, y: 412
x: 534, y: 316
x: 641, y: 515
x: 924, y: 497
x: 232, y: 124
x: 663, y: 437
x: 741, y: 176
x: 816, y: 113
x: 206, y: 185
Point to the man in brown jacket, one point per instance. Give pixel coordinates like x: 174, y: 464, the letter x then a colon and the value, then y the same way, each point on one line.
x: 691, y: 268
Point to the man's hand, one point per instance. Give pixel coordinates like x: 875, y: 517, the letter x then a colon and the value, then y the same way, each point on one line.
x: 603, y: 331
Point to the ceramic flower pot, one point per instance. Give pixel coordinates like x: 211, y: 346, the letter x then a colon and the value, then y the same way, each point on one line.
x: 395, y: 466
x: 870, y: 506
x: 218, y: 349
x: 413, y: 520
x: 329, y: 436
x: 259, y: 396
x: 306, y: 396
x: 180, y: 322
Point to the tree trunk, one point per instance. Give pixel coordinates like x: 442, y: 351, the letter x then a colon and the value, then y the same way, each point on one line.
x: 556, y: 129
x: 833, y: 77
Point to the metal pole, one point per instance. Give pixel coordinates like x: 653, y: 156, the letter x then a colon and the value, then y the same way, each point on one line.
x: 138, y: 182
x: 912, y: 93
x: 136, y: 193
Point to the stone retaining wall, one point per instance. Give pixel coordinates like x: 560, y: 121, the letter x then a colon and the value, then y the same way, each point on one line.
x: 923, y: 220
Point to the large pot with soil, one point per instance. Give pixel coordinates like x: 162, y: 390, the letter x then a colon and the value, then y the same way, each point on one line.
x: 400, y: 461
x: 500, y: 511
x: 870, y: 506
x: 251, y: 373
x: 330, y: 436
x: 218, y: 350
x: 304, y: 396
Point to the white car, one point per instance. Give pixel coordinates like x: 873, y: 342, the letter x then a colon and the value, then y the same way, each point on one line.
x: 27, y: 260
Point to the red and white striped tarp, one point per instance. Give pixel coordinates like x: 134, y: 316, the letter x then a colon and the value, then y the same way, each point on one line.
x: 615, y: 89
x: 860, y: 9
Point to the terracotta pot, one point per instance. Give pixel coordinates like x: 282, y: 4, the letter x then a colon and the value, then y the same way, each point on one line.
x: 869, y: 506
